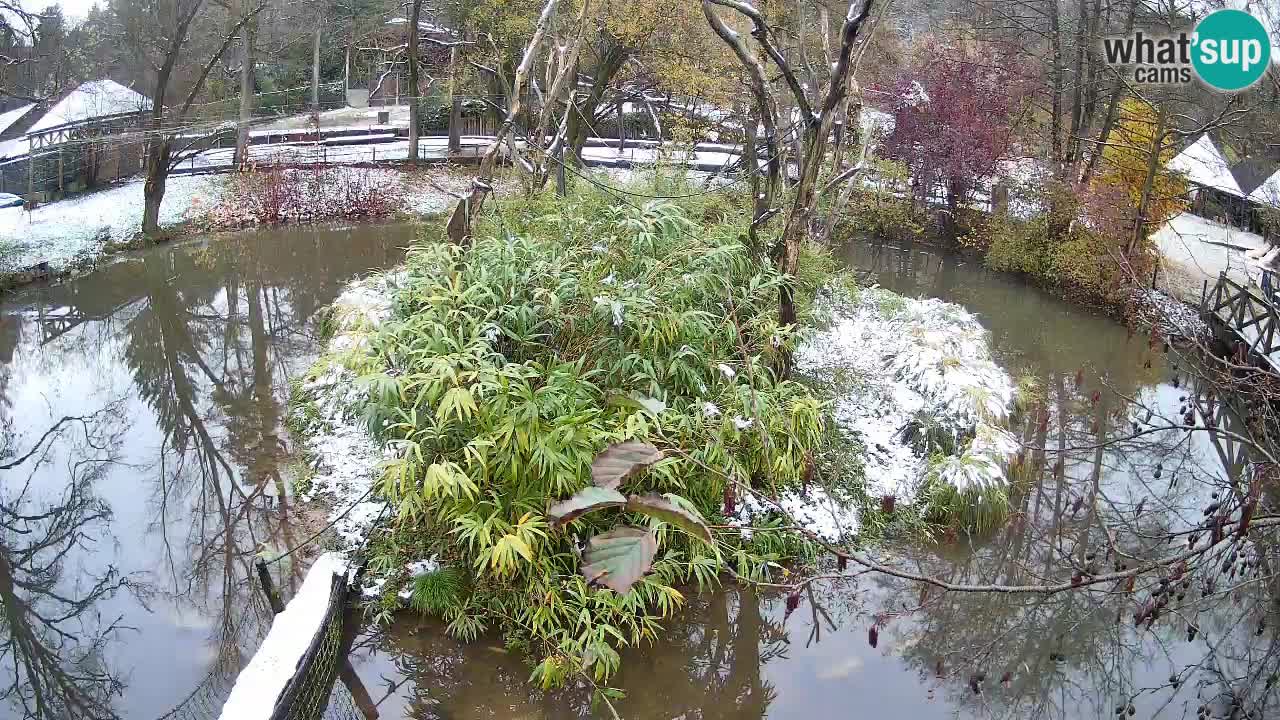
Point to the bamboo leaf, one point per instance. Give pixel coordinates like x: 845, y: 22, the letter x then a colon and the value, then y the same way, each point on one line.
x: 636, y: 400
x: 656, y: 506
x: 619, y: 558
x: 621, y: 461
x: 585, y: 501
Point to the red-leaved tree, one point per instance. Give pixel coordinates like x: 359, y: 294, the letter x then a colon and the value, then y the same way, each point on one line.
x: 953, y: 115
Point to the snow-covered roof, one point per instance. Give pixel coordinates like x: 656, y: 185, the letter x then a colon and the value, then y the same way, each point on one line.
x: 16, y: 147
x: 93, y: 99
x: 1268, y: 193
x: 1203, y: 165
x: 12, y: 116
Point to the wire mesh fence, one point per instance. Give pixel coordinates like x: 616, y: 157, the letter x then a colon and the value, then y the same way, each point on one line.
x: 307, y: 694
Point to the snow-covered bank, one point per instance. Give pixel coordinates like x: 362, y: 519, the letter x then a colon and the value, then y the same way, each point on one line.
x: 913, y: 379
x: 1172, y: 317
x: 344, y: 457
x: 73, y: 231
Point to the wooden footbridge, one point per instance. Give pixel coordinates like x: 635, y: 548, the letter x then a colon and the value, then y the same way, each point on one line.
x: 1245, y: 318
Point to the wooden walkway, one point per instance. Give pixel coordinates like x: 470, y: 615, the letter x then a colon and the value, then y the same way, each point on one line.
x: 1240, y: 315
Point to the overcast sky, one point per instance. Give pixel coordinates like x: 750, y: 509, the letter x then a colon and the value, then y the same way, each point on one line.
x: 70, y: 8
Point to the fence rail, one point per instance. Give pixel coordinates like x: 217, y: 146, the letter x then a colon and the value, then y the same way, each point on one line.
x: 1243, y: 313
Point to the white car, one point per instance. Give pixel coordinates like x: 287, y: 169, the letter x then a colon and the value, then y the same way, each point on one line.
x: 10, y: 200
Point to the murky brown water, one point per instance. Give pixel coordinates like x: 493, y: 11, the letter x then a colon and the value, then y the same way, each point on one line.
x: 126, y: 539
x: 133, y: 530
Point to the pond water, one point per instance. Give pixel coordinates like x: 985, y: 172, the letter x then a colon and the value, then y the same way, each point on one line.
x: 127, y: 537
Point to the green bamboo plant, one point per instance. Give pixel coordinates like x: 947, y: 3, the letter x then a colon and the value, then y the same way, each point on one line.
x: 571, y: 333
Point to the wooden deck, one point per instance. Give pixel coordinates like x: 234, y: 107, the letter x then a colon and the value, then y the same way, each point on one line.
x: 1240, y: 315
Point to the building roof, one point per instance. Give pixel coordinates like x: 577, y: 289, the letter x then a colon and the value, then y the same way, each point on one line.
x: 1251, y: 172
x: 13, y: 116
x: 1268, y: 193
x: 90, y: 100
x: 1204, y: 165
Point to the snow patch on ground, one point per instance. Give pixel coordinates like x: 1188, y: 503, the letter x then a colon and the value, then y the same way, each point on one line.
x: 1170, y: 316
x: 72, y: 232
x: 899, y: 363
x: 345, y: 457
x: 264, y: 678
x: 831, y: 516
x: 69, y: 231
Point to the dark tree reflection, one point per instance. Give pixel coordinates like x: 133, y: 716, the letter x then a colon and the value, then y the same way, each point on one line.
x: 52, y: 632
x: 202, y: 339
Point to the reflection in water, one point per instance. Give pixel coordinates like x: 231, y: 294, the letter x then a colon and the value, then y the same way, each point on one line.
x: 53, y: 640
x: 734, y: 654
x: 152, y: 506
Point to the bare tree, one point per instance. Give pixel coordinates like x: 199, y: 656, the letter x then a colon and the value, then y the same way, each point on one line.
x: 182, y: 60
x: 248, y: 60
x: 816, y: 121
x: 464, y: 213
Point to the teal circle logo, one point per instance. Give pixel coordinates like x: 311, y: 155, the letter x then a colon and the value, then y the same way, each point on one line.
x: 1231, y: 50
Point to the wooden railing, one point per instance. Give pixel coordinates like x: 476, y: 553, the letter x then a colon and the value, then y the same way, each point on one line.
x: 1245, y: 312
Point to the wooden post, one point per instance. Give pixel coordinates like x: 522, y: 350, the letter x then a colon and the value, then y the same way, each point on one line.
x: 622, y: 129
x: 268, y: 587
x: 455, y: 104
x: 31, y: 174
x: 560, y: 181
x: 60, y: 169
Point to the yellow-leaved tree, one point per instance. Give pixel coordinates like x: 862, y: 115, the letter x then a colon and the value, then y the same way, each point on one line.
x: 1135, y: 162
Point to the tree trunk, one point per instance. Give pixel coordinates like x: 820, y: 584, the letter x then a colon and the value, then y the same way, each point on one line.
x: 315, y: 68
x: 1077, y: 93
x: 246, y: 96
x: 158, y: 152
x: 751, y: 166
x: 413, y: 80
x: 346, y: 71
x: 562, y: 86
x: 1055, y: 119
x: 455, y: 104
x: 580, y: 116
x: 1148, y: 185
x: 1113, y: 104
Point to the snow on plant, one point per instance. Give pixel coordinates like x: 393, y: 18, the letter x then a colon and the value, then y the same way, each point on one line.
x: 914, y: 379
